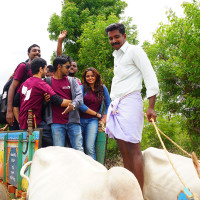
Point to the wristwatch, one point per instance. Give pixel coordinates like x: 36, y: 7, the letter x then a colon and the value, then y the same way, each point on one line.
x: 74, y: 108
x: 99, y: 114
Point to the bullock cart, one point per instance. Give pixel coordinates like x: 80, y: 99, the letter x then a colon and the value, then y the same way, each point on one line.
x: 15, y: 151
x: 17, y: 148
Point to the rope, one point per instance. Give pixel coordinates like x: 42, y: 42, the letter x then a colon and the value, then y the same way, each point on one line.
x: 193, y: 155
x: 167, y: 153
x: 189, y: 155
x: 101, y: 127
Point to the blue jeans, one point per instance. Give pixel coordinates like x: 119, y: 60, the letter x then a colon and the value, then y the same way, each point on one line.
x: 89, y: 131
x: 59, y: 132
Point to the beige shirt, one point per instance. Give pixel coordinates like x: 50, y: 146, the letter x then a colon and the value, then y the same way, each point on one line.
x: 131, y: 66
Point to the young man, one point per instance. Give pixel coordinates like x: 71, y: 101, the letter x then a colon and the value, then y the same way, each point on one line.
x: 73, y: 68
x: 50, y: 71
x: 30, y: 96
x: 125, y: 115
x: 65, y: 87
x: 20, y: 76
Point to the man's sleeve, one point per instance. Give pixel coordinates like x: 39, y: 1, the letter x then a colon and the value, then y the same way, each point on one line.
x: 144, y: 65
x: 20, y: 72
x: 107, y: 99
x: 56, y: 99
x: 78, y: 100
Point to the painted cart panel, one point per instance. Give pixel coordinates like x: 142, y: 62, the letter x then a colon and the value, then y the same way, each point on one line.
x: 14, y: 153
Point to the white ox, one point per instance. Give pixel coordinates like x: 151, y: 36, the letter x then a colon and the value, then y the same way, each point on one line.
x: 67, y: 174
x: 160, y: 180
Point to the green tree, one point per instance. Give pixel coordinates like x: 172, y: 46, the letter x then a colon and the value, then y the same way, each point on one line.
x: 95, y: 49
x: 173, y: 125
x: 75, y: 13
x: 87, y: 42
x: 175, y: 54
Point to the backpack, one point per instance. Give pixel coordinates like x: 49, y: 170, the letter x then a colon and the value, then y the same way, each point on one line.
x: 4, y: 95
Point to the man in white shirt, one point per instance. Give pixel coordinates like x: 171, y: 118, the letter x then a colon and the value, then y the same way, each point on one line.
x: 125, y: 115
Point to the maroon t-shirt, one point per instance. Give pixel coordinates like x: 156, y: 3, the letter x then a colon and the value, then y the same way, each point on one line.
x: 31, y: 97
x: 21, y: 75
x: 91, y: 101
x: 63, y: 89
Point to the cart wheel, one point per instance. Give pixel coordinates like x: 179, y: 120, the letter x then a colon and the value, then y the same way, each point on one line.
x: 4, y: 194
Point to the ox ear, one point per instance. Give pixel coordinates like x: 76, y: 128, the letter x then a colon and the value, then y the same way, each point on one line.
x: 196, y: 163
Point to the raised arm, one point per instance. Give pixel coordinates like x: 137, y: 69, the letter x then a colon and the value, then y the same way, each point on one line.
x: 61, y: 37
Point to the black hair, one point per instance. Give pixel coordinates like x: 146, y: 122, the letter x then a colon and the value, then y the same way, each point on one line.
x: 98, y: 85
x: 61, y: 59
x: 33, y: 45
x: 36, y: 64
x: 116, y: 26
x: 75, y: 62
x: 51, y: 68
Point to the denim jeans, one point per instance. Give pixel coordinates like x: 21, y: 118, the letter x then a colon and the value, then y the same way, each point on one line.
x: 47, y: 139
x: 89, y: 131
x: 59, y: 132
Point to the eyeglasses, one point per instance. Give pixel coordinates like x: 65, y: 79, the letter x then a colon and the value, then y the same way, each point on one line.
x: 67, y: 66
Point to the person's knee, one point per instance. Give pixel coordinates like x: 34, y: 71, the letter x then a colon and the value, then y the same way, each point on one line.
x: 90, y: 148
x: 76, y: 139
x: 78, y: 142
x: 58, y: 134
x: 122, y: 147
x: 134, y: 148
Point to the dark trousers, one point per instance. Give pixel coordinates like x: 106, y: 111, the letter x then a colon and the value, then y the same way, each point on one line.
x: 15, y: 126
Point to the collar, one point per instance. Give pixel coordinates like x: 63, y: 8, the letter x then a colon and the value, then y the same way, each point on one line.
x: 123, y: 48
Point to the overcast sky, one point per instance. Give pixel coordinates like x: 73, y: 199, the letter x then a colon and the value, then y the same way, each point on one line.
x: 25, y: 22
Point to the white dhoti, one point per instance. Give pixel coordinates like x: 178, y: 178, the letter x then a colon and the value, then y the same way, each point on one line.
x: 125, y: 118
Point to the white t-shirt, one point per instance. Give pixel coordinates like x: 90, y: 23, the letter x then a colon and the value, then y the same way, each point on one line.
x: 131, y: 66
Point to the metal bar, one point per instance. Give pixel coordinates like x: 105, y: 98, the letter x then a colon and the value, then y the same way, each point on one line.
x: 17, y: 141
x: 30, y: 154
x: 31, y: 148
x: 19, y: 178
x: 5, y: 158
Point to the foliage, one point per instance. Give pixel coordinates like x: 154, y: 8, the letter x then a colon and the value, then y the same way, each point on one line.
x: 95, y: 49
x: 175, y: 54
x: 87, y: 42
x: 172, y: 125
x: 75, y: 13
x: 112, y: 148
x: 101, y: 7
